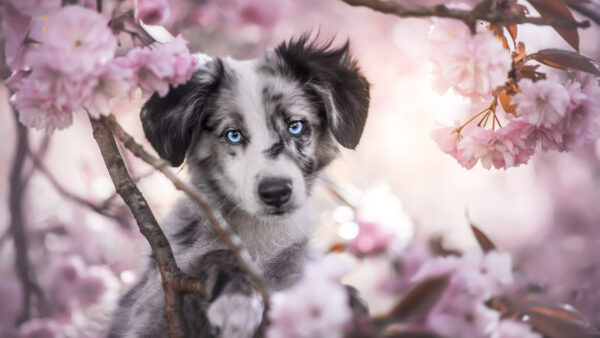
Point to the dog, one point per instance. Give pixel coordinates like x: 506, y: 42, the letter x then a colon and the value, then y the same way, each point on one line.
x: 254, y: 135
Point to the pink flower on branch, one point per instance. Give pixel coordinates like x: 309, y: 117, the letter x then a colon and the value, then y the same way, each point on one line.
x: 160, y: 65
x: 317, y: 306
x: 542, y: 103
x: 153, y: 12
x: 472, y: 65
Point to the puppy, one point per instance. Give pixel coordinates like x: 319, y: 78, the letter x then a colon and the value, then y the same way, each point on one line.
x: 254, y: 134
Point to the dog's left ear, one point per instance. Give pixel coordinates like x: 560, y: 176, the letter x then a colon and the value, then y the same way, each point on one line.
x: 337, y: 81
x: 170, y: 121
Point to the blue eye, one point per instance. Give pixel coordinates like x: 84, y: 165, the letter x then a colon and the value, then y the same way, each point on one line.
x: 234, y: 136
x: 296, y: 127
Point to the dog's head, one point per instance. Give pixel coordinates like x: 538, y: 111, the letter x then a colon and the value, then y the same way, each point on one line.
x: 256, y: 132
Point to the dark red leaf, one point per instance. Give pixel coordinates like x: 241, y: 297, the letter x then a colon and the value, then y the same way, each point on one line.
x: 438, y: 247
x: 557, y: 9
x: 559, y: 314
x: 554, y: 327
x: 484, y: 242
x: 418, y: 300
x: 560, y: 58
x: 412, y: 334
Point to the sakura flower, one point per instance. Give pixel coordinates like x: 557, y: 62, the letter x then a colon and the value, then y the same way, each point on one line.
x: 38, y: 109
x: 580, y: 126
x: 39, y: 328
x: 160, y: 65
x: 153, y: 12
x: 463, y: 317
x: 500, y: 149
x: 383, y: 224
x: 475, y: 273
x: 542, y: 103
x: 110, y: 81
x: 76, y: 41
x: 447, y: 140
x: 98, y: 284
x: 317, y: 306
x: 509, y: 328
x: 472, y: 65
x: 34, y: 7
x: 262, y: 12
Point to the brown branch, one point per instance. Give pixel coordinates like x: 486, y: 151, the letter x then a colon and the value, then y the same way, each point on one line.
x: 17, y: 224
x: 219, y: 226
x: 174, y: 281
x: 470, y: 17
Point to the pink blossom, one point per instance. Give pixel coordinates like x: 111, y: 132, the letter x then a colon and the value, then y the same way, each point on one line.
x: 160, y: 65
x: 39, y: 328
x: 262, y: 12
x: 317, y: 306
x: 472, y: 65
x: 38, y: 109
x: 77, y: 40
x: 110, y: 81
x: 21, y: 32
x: 447, y: 140
x: 475, y: 273
x: 473, y: 279
x: 541, y: 103
x: 91, y: 289
x: 464, y: 316
x: 153, y: 12
x: 372, y: 239
x: 501, y: 149
x: 34, y: 7
x: 510, y: 328
x: 580, y: 126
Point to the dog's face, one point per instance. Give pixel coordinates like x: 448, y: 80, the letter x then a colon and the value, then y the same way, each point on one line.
x: 255, y: 133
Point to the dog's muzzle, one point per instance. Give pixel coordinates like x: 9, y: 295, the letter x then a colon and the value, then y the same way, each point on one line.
x: 275, y: 191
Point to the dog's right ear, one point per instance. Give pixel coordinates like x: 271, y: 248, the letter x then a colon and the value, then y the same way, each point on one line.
x: 170, y: 121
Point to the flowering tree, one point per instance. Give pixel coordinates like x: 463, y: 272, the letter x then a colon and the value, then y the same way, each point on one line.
x: 69, y: 58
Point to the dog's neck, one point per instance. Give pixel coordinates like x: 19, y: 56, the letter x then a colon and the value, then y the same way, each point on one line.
x: 264, y: 238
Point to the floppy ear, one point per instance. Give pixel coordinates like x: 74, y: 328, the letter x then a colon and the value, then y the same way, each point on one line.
x: 336, y: 80
x: 170, y: 121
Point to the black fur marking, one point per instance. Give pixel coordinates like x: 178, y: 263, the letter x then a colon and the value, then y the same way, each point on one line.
x: 275, y: 149
x: 185, y: 236
x: 335, y: 77
x: 220, y: 284
x: 169, y: 122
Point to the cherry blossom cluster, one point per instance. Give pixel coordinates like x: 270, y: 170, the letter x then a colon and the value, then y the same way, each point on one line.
x: 66, y: 63
x: 549, y: 116
x: 72, y: 291
x: 462, y: 310
x: 545, y: 114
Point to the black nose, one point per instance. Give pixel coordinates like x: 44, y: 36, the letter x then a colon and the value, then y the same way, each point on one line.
x: 275, y: 191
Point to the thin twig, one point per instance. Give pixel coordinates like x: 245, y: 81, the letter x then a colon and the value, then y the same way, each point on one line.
x: 67, y: 194
x: 174, y: 281
x: 219, y: 226
x: 17, y: 224
x: 470, y: 17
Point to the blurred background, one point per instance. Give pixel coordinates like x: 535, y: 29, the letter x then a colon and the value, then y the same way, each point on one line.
x: 545, y: 213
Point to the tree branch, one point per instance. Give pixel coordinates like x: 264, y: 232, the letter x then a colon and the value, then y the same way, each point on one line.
x: 17, y: 224
x: 470, y: 17
x: 174, y: 281
x: 219, y: 226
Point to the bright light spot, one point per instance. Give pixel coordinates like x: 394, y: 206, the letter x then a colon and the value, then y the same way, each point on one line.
x: 348, y: 230
x: 102, y: 187
x: 343, y: 214
x: 127, y: 277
